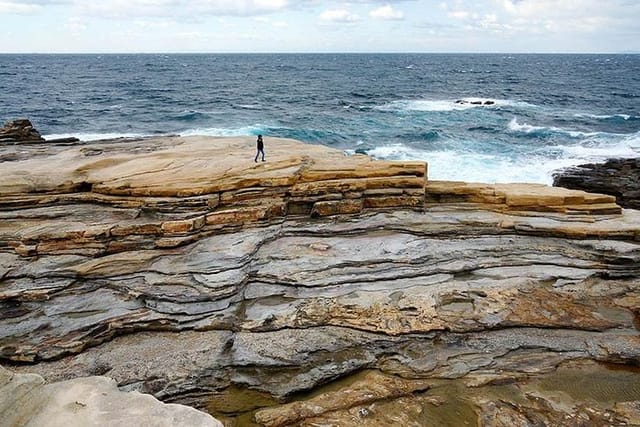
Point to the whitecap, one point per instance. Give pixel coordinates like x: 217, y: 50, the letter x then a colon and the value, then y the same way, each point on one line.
x: 91, y: 136
x: 239, y: 131
x: 535, y: 167
x: 515, y: 127
x: 249, y: 106
x: 452, y: 165
x: 597, y: 152
x: 450, y: 104
x: 604, y: 116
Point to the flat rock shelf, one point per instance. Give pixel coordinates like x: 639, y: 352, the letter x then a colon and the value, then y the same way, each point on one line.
x: 316, y: 288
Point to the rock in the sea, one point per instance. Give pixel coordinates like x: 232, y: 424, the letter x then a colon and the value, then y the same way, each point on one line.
x: 20, y: 130
x: 26, y: 400
x: 617, y: 177
x: 474, y: 102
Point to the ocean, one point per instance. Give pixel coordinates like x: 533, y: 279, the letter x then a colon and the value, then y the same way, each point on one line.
x: 472, y: 117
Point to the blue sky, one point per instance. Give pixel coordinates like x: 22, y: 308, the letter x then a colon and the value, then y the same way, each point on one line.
x: 319, y: 26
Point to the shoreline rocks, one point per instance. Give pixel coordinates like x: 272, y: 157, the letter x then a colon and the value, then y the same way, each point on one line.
x: 616, y: 177
x: 21, y: 131
x: 182, y: 269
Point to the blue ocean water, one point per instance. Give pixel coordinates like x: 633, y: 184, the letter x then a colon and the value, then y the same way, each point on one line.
x: 544, y: 112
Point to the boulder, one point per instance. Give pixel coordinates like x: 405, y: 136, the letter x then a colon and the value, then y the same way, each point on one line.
x: 20, y: 130
x: 27, y: 400
x: 617, y: 177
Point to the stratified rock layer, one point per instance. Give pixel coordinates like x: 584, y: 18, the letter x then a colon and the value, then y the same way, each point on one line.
x: 617, y: 177
x: 181, y: 268
x: 20, y: 130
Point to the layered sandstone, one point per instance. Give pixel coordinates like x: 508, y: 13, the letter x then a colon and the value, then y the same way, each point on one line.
x: 179, y: 267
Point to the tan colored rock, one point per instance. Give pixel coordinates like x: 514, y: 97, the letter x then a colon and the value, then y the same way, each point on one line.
x: 343, y: 207
x: 178, y: 227
x: 393, y: 202
x: 630, y: 411
x: 237, y: 216
x: 27, y: 401
x: 370, y: 388
x: 521, y: 197
x: 182, y: 268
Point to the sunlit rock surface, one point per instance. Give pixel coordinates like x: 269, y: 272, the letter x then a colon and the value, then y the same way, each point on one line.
x: 181, y: 268
x: 26, y: 400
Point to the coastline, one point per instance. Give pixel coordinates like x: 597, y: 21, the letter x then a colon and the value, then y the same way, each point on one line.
x: 181, y: 268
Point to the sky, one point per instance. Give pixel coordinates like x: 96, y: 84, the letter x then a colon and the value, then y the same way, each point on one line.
x: 118, y: 26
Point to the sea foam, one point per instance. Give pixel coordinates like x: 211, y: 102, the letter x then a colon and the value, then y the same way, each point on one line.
x: 445, y: 105
x: 91, y: 136
x: 515, y: 127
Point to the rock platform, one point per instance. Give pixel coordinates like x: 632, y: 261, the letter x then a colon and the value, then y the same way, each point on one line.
x: 181, y: 268
x: 616, y: 177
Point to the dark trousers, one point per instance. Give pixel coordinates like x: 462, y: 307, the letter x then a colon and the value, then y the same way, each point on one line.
x: 260, y: 150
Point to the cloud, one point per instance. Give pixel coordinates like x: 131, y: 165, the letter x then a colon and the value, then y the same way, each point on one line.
x: 521, y: 17
x: 387, y: 12
x: 180, y: 8
x: 10, y: 8
x: 75, y: 25
x: 29, y: 7
x: 339, y: 15
x: 459, y: 14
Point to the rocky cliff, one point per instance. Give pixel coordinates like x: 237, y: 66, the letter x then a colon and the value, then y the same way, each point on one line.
x: 318, y: 287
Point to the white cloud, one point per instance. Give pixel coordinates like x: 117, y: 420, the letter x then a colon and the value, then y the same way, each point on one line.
x: 459, y: 14
x: 339, y: 15
x: 75, y: 25
x: 10, y: 7
x: 387, y: 12
x: 153, y: 24
x: 178, y: 8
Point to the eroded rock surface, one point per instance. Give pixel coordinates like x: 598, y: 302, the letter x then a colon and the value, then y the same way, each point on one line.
x: 26, y: 400
x: 20, y: 130
x: 180, y: 268
x: 617, y: 177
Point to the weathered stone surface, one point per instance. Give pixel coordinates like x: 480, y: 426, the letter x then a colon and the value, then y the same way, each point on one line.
x: 373, y: 387
x: 185, y: 273
x: 26, y: 401
x: 20, y: 130
x: 520, y: 198
x: 617, y: 177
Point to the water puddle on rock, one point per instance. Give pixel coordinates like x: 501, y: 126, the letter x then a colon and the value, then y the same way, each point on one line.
x: 604, y: 384
x: 235, y: 405
x: 444, y: 403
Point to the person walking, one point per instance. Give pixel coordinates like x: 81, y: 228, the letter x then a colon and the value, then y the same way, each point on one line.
x: 260, y: 145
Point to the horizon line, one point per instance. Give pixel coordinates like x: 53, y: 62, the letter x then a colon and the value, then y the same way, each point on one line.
x: 322, y: 53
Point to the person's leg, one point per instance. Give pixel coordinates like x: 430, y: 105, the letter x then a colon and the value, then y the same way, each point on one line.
x: 257, y: 154
x: 262, y: 155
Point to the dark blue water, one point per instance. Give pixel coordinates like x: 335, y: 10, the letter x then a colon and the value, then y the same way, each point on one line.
x: 545, y: 112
